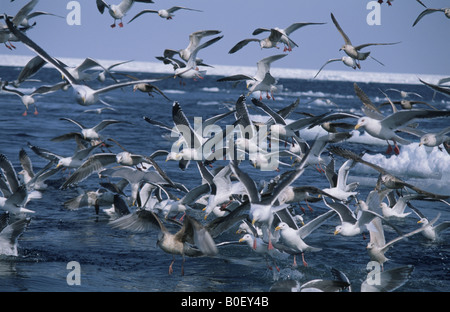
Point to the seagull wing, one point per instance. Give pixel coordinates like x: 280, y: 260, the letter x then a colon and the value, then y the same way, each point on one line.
x: 176, y: 8
x: 426, y: 12
x: 326, y: 63
x: 93, y: 164
x: 344, y: 212
x: 139, y: 221
x: 241, y: 44
x: 346, y: 38
x: 309, y: 227
x: 8, y: 169
x: 23, y: 12
x: 39, y: 51
x: 263, y: 66
x: 293, y: 27
x: 403, y: 117
x: 142, y: 12
x: 73, y: 121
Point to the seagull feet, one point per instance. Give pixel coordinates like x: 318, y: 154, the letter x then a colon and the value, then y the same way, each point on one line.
x: 120, y: 24
x: 113, y: 25
x: 389, y: 149
x: 24, y: 113
x: 269, y: 245
x: 10, y: 46
x: 303, y: 259
x: 396, y: 150
x: 170, y: 267
x: 380, y: 1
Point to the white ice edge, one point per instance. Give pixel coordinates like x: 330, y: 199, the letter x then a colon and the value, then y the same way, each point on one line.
x: 222, y: 70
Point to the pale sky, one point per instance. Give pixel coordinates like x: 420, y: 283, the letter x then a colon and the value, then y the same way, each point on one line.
x: 424, y: 48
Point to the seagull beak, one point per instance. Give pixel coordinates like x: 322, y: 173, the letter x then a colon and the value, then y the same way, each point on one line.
x: 277, y: 228
x: 420, y: 221
x: 241, y: 240
x: 420, y: 143
x: 253, y: 222
x: 336, y: 232
x: 357, y: 126
x: 206, y: 216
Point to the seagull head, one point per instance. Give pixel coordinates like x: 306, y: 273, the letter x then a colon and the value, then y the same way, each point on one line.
x: 281, y: 226
x: 338, y: 230
x: 361, y: 123
x: 427, y: 139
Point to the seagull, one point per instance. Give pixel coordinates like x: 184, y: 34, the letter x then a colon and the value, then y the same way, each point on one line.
x: 118, y: 11
x: 164, y: 13
x: 389, y: 280
x: 262, y: 80
x: 192, y: 240
x: 352, y: 224
x: 79, y: 72
x: 262, y: 209
x: 347, y: 60
x: 15, y: 195
x: 21, y: 16
x: 222, y: 189
x: 404, y: 94
x: 102, y: 76
x: 68, y: 162
x: 10, y: 234
x: 407, y: 104
x: 282, y: 129
x: 98, y: 198
x: 191, y: 71
x: 441, y: 89
x: 435, y: 139
x: 293, y: 238
x: 34, y: 181
x: 93, y: 133
x: 430, y: 231
x: 385, y: 178
x: 99, y: 110
x: 266, y: 43
x: 261, y: 248
x: 338, y: 183
x: 135, y: 178
x: 285, y: 33
x: 99, y: 161
x: 377, y: 246
x: 28, y: 99
x: 396, y: 207
x: 427, y: 11
x: 317, y: 285
x: 194, y: 42
x: 385, y: 127
x: 84, y: 95
x: 31, y: 68
x: 354, y: 51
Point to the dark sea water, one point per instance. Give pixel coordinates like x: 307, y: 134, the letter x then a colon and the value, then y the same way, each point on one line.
x: 117, y: 260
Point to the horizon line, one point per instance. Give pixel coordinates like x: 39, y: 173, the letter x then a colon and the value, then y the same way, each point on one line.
x: 226, y: 70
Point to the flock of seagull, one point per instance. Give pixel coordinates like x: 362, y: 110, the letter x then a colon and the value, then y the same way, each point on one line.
x: 229, y: 197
